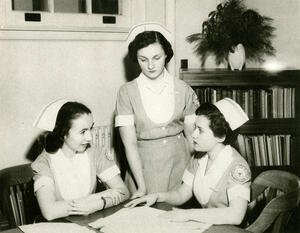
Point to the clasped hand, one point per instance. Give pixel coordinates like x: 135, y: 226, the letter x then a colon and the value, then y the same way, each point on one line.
x: 115, y: 195
x: 90, y: 204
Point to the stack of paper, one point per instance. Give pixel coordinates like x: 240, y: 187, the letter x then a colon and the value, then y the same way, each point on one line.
x: 144, y: 220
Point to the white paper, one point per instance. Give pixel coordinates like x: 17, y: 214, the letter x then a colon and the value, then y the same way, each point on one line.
x: 55, y: 228
x: 144, y: 220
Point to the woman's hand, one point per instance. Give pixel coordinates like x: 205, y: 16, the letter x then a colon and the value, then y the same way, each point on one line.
x: 138, y: 193
x: 115, y: 195
x: 175, y: 215
x: 148, y: 200
x: 81, y: 207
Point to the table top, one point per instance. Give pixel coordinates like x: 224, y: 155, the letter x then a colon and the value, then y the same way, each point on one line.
x: 84, y: 220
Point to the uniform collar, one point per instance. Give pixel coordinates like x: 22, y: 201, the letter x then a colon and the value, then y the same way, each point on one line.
x: 163, y: 81
x: 220, y: 164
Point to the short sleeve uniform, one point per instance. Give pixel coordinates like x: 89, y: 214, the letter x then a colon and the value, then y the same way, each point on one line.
x: 72, y: 178
x: 228, y: 178
x: 159, y: 120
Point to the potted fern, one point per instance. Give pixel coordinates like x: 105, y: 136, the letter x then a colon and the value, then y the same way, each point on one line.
x: 233, y: 27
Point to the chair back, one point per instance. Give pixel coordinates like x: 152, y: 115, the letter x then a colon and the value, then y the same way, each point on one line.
x: 279, y: 192
x: 17, y: 198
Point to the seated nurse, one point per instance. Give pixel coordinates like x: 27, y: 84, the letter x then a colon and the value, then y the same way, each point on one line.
x: 220, y: 180
x: 66, y: 172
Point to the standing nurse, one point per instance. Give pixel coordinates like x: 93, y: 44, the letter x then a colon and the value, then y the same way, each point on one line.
x: 155, y: 114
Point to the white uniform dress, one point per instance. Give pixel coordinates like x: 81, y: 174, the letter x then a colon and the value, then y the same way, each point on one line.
x: 228, y: 178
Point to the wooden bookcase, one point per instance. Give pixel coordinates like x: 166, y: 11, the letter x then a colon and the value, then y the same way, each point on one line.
x: 220, y: 83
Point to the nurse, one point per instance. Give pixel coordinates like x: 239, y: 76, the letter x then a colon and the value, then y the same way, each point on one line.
x: 66, y: 172
x: 220, y: 180
x: 155, y: 114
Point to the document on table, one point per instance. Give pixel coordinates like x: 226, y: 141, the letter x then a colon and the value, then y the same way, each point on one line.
x: 145, y: 220
x: 54, y: 228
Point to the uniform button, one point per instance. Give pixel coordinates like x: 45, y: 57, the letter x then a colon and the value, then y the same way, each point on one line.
x: 163, y: 128
x: 178, y: 136
x: 164, y: 141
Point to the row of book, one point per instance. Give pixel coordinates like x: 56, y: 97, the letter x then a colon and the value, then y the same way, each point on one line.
x: 275, y: 102
x: 266, y: 150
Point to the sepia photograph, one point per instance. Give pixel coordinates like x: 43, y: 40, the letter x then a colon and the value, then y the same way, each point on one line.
x: 161, y: 116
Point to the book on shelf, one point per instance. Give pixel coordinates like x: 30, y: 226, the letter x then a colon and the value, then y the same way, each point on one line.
x: 249, y: 151
x: 275, y: 102
x: 262, y: 150
x: 265, y: 150
x: 288, y: 143
x: 256, y: 155
x: 269, y: 150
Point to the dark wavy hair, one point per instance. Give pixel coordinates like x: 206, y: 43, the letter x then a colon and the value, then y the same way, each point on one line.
x: 219, y: 126
x: 68, y: 112
x: 146, y: 38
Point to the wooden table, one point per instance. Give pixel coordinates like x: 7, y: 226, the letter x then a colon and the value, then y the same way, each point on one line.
x: 84, y: 220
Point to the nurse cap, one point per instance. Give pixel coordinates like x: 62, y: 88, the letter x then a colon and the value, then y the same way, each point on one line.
x: 47, y: 117
x: 233, y: 113
x: 148, y: 26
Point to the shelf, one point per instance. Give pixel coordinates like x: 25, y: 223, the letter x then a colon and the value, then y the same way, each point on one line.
x: 249, y: 77
x: 269, y: 126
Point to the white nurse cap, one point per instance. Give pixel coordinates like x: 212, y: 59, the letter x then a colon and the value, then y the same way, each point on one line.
x: 148, y: 26
x: 233, y: 113
x: 47, y: 117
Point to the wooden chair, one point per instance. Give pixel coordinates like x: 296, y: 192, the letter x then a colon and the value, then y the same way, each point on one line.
x: 17, y: 199
x: 275, y: 197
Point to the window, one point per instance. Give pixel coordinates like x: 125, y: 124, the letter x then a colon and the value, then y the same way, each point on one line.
x: 67, y: 15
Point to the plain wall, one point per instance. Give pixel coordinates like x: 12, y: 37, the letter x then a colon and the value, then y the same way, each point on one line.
x: 36, y: 72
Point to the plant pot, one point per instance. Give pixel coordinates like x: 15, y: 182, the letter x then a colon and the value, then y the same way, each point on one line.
x: 237, y: 58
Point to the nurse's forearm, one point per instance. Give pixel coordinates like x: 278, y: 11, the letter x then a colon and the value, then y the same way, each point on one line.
x: 216, y: 216
x: 135, y: 164
x: 176, y: 197
x: 170, y: 197
x: 54, y: 210
x: 129, y: 139
x: 50, y: 208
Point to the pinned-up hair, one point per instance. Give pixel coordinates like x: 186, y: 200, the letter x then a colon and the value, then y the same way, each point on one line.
x: 218, y: 124
x: 146, y: 38
x: 68, y: 112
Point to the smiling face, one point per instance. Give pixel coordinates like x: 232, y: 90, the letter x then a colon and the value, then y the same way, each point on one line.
x: 79, y: 136
x: 152, y: 60
x: 203, y: 137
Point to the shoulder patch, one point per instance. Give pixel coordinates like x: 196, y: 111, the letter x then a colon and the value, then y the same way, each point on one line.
x: 195, y: 100
x: 240, y: 173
